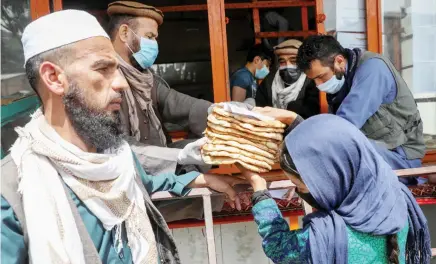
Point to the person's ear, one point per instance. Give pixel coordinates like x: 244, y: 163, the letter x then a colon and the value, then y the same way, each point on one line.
x: 53, y: 77
x: 340, y: 63
x: 123, y: 33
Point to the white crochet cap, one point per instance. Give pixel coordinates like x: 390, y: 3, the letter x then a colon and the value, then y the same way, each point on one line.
x: 59, y: 29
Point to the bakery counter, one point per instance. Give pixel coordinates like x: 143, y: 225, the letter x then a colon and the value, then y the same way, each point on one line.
x: 425, y: 194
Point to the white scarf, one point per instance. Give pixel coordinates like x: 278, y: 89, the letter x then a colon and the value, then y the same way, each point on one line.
x: 104, y: 182
x: 281, y: 95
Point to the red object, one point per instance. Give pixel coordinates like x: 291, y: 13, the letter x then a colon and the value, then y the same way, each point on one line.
x: 218, y: 50
x: 320, y: 18
x: 39, y: 8
x: 260, y: 4
x: 285, y: 34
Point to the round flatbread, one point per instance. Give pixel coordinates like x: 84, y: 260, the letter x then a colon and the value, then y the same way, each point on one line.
x: 226, y: 160
x: 213, y: 147
x: 272, y: 144
x: 246, y: 147
x: 227, y: 127
x: 271, y: 123
x: 212, y: 135
x: 243, y: 158
x: 248, y: 126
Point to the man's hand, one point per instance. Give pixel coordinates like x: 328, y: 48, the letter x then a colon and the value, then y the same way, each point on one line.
x: 284, y: 116
x: 258, y: 183
x: 289, y: 195
x: 191, y: 153
x: 220, y: 183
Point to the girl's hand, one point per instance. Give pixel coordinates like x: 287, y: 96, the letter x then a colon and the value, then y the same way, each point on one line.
x: 258, y: 183
x: 220, y: 183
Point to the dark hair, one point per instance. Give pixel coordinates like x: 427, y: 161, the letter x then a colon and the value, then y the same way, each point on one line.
x: 286, y: 162
x: 58, y: 56
x: 258, y: 50
x: 320, y: 47
x: 392, y: 248
x: 117, y: 20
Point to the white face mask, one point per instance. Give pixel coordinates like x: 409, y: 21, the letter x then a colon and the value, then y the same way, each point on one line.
x: 332, y: 86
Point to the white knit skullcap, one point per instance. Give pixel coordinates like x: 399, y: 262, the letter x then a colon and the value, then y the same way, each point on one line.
x: 59, y: 29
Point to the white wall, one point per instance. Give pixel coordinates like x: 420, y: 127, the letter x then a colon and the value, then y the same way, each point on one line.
x: 418, y: 52
x: 348, y: 19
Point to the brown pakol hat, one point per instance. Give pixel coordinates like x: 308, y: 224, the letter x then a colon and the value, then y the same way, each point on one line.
x: 135, y: 9
x: 287, y: 47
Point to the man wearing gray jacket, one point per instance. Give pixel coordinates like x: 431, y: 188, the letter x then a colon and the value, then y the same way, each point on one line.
x: 149, y: 102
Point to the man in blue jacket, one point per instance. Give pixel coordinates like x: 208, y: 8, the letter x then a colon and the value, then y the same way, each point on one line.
x: 365, y: 88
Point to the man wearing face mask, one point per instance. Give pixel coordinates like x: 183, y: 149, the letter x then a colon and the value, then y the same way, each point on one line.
x: 133, y: 28
x: 291, y: 89
x: 243, y: 82
x: 366, y: 89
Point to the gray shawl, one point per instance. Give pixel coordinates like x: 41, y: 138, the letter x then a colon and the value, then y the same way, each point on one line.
x: 141, y: 84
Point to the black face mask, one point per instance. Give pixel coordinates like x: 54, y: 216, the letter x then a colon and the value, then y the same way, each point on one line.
x: 289, y: 75
x: 309, y: 199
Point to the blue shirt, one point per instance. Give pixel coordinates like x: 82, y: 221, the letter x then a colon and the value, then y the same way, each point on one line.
x: 12, y: 241
x: 374, y: 85
x: 244, y: 78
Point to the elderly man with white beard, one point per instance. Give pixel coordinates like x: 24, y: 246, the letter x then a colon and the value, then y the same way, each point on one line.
x: 72, y: 190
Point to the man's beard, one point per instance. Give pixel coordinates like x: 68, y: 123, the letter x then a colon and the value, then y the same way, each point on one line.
x: 95, y: 127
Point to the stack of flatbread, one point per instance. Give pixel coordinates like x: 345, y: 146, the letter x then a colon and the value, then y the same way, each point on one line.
x: 233, y: 138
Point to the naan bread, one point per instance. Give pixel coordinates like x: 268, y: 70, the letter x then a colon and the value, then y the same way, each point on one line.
x: 262, y: 135
x: 212, y: 147
x: 243, y: 158
x: 246, y: 147
x: 226, y: 160
x: 212, y: 135
x: 230, y: 131
x: 248, y: 126
x: 270, y: 123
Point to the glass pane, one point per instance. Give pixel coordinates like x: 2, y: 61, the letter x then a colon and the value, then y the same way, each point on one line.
x: 409, y: 38
x: 15, y: 15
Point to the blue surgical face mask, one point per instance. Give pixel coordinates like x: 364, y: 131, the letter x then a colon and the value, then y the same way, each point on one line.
x: 147, y: 54
x: 260, y: 74
x: 333, y: 85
